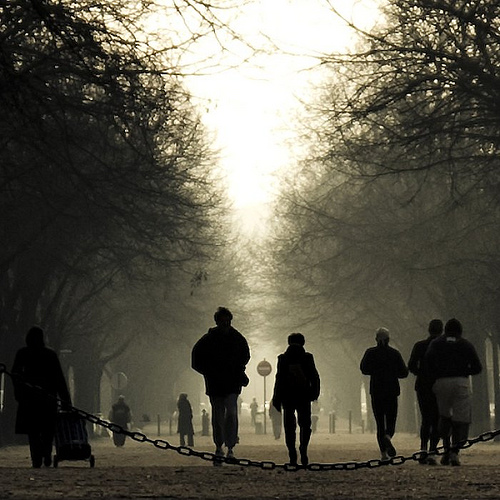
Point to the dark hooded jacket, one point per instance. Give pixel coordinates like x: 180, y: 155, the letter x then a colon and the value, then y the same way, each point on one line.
x: 297, y: 379
x: 37, y: 365
x: 221, y: 356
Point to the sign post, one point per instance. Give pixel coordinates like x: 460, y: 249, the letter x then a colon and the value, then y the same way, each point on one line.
x: 264, y: 368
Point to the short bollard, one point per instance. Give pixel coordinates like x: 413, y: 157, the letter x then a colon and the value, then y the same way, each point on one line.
x: 332, y: 418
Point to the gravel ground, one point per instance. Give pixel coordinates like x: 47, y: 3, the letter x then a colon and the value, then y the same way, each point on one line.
x: 140, y: 470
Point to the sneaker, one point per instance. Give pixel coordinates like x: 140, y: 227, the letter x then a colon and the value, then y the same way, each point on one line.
x: 391, y: 451
x: 219, y: 454
x: 454, y: 459
x: 384, y: 456
x: 230, y: 454
x: 47, y: 461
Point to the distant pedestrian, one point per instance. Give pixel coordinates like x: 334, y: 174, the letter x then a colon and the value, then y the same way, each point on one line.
x: 221, y: 356
x: 38, y: 365
x: 185, y: 420
x: 297, y: 384
x: 385, y: 366
x: 205, y: 423
x: 316, y: 409
x: 121, y: 415
x: 254, y: 408
x: 451, y: 360
x: 276, y: 420
x: 427, y: 403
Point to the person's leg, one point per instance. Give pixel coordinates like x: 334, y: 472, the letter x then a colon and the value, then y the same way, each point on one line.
x: 47, y: 439
x: 290, y: 426
x: 304, y: 421
x: 182, y: 440
x: 35, y: 443
x: 231, y: 421
x: 378, y: 414
x: 425, y: 426
x: 218, y: 412
x: 443, y: 391
x: 445, y: 433
x: 462, y: 410
x: 433, y: 422
x: 391, y: 414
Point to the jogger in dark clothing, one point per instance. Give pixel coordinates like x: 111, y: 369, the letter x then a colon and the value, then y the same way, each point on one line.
x: 451, y: 360
x: 297, y: 384
x: 427, y: 403
x: 385, y: 366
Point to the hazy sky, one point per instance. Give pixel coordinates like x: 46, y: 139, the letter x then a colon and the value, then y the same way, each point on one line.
x: 251, y: 108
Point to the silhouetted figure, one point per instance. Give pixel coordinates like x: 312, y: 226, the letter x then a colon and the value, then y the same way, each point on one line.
x: 385, y: 366
x: 315, y: 408
x: 120, y: 415
x: 451, y: 360
x: 276, y: 420
x: 205, y: 423
x: 185, y: 421
x: 221, y: 356
x: 297, y: 384
x: 254, y: 408
x: 37, y: 410
x: 427, y: 403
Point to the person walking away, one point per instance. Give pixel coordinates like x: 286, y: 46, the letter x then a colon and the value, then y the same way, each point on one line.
x: 297, y: 384
x: 185, y: 420
x: 452, y: 360
x: 385, y: 366
x: 316, y: 409
x: 254, y: 407
x: 221, y: 356
x: 276, y: 420
x: 427, y: 403
x: 205, y: 423
x: 120, y: 415
x: 36, y: 416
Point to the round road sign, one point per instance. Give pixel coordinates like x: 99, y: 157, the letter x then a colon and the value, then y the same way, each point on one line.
x: 264, y: 368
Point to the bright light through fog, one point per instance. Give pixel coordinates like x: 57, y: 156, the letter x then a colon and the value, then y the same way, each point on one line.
x: 252, y: 108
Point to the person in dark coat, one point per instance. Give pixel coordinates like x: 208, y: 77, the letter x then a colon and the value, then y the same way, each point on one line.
x: 221, y: 356
x: 385, y: 366
x: 37, y: 410
x: 121, y: 415
x: 297, y: 384
x: 205, y: 423
x: 427, y: 403
x: 185, y: 420
x: 451, y: 360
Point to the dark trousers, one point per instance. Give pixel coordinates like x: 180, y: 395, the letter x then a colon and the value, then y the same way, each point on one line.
x: 40, y: 442
x: 303, y: 418
x: 385, y: 411
x: 225, y: 420
x: 429, y: 428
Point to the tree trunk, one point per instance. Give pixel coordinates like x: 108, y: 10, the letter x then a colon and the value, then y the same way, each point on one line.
x: 480, y: 398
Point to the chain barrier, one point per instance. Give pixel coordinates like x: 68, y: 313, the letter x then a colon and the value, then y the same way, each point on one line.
x: 244, y: 462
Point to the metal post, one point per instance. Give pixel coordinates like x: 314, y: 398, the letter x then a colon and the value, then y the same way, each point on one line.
x: 265, y: 416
